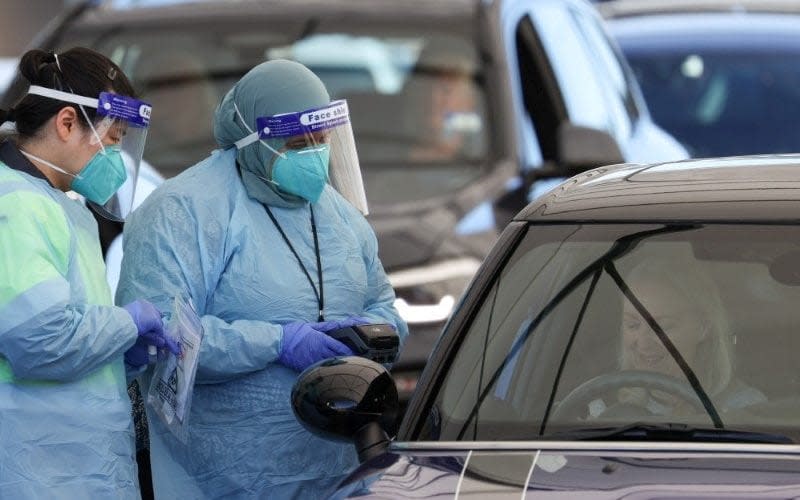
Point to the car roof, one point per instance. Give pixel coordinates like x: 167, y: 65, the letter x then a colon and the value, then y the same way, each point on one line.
x: 746, y: 188
x: 678, y: 32
x: 675, y: 30
x: 224, y: 10
x: 624, y: 8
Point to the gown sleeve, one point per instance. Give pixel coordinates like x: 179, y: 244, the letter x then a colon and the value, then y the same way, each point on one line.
x: 175, y: 246
x: 44, y: 333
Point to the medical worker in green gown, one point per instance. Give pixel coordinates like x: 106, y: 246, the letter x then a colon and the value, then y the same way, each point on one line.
x: 65, y: 422
x: 273, y: 256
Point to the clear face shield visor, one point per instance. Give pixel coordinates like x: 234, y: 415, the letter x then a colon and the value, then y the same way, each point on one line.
x: 323, y: 136
x: 108, y: 181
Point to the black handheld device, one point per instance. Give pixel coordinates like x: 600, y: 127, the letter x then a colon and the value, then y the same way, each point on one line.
x: 378, y: 342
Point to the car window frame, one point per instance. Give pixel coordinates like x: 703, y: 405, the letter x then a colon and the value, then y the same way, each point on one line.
x: 613, y: 57
x: 456, y: 327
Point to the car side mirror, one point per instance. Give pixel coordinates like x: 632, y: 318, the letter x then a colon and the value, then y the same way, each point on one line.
x: 349, y: 399
x: 581, y: 148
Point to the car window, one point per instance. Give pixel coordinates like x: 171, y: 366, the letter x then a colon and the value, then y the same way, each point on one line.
x: 723, y: 102
x: 559, y: 343
x: 416, y: 98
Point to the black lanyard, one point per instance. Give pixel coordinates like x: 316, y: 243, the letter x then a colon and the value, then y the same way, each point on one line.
x: 319, y: 294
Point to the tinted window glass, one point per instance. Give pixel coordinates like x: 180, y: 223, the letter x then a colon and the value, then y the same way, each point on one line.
x: 416, y: 98
x: 615, y: 301
x: 720, y: 104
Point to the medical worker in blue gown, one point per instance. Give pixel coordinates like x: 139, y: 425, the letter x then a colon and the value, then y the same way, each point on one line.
x: 65, y: 416
x: 273, y: 256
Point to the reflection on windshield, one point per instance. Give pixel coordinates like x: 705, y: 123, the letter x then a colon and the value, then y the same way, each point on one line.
x: 603, y: 325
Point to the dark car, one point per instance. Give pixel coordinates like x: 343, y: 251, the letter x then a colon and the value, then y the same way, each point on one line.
x: 457, y: 107
x: 633, y: 334
x: 723, y: 77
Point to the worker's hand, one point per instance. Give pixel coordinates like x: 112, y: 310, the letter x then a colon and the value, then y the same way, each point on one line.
x: 304, y: 344
x: 150, y: 328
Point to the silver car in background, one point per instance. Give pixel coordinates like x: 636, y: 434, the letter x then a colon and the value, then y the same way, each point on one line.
x: 463, y: 110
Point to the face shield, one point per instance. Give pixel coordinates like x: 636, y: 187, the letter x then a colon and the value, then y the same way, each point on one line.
x: 119, y: 131
x: 313, y: 140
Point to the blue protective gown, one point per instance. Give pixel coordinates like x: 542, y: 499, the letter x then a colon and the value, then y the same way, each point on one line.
x: 65, y: 415
x: 201, y: 234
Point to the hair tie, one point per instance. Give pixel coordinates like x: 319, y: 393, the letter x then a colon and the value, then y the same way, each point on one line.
x: 58, y: 64
x: 49, y: 58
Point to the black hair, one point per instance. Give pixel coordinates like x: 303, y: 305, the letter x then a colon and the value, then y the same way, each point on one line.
x: 79, y: 70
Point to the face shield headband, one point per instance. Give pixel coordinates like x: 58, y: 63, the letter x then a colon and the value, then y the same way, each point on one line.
x: 108, y: 180
x: 313, y: 139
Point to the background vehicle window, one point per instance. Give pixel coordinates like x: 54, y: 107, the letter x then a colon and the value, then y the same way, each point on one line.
x: 723, y: 103
x: 555, y: 317
x: 417, y: 101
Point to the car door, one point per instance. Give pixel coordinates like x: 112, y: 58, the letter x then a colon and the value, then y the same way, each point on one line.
x: 558, y: 110
x: 593, y: 84
x: 630, y: 123
x: 572, y: 89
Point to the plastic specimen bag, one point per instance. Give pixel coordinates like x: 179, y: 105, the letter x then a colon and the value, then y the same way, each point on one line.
x: 170, y: 393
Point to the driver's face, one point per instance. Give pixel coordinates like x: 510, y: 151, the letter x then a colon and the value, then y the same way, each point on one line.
x: 641, y: 347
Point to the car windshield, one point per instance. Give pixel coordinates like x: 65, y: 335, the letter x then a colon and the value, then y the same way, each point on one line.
x: 416, y: 98
x: 723, y: 102
x: 602, y: 326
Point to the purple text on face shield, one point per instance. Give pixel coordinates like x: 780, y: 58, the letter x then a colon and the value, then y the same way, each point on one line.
x: 312, y: 120
x: 133, y: 111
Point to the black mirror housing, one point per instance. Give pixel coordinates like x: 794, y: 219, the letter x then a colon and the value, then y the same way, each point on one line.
x: 351, y: 399
x: 581, y: 148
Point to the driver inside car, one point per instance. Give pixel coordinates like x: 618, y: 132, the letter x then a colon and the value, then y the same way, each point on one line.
x: 684, y: 303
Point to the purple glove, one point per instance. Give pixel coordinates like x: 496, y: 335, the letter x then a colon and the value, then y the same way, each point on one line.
x: 304, y: 344
x: 151, y: 332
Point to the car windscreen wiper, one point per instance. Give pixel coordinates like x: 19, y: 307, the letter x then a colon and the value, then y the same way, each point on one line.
x: 668, y: 432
